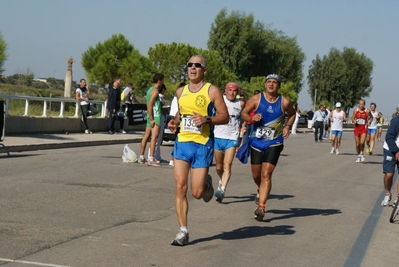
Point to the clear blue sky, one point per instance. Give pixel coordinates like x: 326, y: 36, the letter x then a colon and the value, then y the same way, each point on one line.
x: 42, y: 34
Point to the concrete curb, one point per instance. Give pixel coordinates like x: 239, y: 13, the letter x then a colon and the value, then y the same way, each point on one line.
x: 33, y: 147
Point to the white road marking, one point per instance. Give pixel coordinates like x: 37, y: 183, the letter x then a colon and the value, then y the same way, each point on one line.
x: 33, y: 263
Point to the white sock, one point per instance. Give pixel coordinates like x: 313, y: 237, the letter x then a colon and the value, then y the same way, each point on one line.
x: 184, y: 229
x: 141, y: 156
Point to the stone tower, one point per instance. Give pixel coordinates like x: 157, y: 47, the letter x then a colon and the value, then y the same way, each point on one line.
x: 68, y: 79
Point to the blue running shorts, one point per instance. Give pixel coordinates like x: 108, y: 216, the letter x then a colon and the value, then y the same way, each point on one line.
x: 224, y: 144
x: 371, y: 131
x: 389, y: 162
x: 336, y: 133
x: 199, y: 156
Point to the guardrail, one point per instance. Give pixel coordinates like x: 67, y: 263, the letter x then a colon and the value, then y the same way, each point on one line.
x: 47, y: 100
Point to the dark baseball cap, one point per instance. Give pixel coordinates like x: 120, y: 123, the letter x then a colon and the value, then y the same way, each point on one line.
x: 273, y: 76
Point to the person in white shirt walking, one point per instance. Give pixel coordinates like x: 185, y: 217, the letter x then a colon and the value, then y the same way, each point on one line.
x: 319, y: 118
x: 337, y: 119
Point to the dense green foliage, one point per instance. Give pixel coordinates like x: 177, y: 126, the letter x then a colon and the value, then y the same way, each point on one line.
x: 3, y: 54
x: 249, y: 49
x: 340, y: 77
x: 116, y: 58
x: 171, y: 60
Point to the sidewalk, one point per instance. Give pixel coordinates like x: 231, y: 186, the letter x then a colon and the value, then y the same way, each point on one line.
x: 40, y: 141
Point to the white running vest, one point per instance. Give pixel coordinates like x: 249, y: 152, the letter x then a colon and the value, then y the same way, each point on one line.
x: 337, y: 124
x: 232, y: 129
x: 373, y: 124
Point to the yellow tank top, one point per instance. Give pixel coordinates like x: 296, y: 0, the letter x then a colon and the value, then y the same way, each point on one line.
x: 380, y: 121
x: 199, y: 102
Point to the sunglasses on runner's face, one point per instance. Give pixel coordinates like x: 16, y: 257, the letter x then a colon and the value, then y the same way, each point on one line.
x: 196, y: 64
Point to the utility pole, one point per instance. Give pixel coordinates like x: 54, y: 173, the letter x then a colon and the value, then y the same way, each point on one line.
x: 314, y: 101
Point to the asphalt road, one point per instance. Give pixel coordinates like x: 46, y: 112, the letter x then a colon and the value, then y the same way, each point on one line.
x: 84, y: 207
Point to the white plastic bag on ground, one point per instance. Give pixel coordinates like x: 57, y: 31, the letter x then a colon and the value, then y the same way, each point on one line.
x: 128, y: 155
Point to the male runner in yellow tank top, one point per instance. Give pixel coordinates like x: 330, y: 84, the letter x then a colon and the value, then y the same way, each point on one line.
x: 193, y: 150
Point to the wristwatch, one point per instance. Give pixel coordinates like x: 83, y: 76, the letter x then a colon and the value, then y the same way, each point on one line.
x: 208, y: 119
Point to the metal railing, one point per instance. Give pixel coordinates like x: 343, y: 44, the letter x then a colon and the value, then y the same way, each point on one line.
x: 47, y: 100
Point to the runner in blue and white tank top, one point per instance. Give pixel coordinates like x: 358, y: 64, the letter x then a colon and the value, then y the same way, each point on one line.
x: 226, y: 138
x: 268, y: 135
x: 269, y: 130
x: 337, y: 119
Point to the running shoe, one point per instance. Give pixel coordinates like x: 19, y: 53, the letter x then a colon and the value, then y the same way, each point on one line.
x: 386, y: 200
x: 362, y: 158
x: 181, y: 239
x: 207, y: 196
x: 332, y: 151
x: 336, y: 152
x: 371, y: 152
x: 153, y: 162
x: 219, y: 194
x: 171, y: 163
x: 122, y: 131
x: 368, y: 150
x: 358, y: 160
x: 87, y: 131
x: 142, y: 160
x: 259, y: 213
x: 220, y: 184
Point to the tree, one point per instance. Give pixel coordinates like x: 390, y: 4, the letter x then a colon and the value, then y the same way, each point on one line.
x: 171, y: 60
x: 3, y: 54
x: 340, y: 77
x: 116, y: 57
x: 249, y: 49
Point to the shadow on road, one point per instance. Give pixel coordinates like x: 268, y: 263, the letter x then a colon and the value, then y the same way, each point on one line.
x: 373, y: 162
x: 251, y: 198
x: 249, y: 232
x: 300, y: 212
x: 13, y: 155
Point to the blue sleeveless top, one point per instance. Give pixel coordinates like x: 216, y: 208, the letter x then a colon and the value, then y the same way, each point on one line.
x: 269, y: 130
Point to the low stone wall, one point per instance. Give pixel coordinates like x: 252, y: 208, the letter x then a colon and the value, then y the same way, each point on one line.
x: 23, y: 125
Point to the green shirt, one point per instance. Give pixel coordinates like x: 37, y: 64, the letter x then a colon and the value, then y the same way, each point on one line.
x: 156, y: 108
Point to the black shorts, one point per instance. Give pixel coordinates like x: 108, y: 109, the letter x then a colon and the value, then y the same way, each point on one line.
x: 270, y: 155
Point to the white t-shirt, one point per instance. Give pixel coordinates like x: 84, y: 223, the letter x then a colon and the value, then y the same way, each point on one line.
x: 373, y: 124
x: 337, y: 123
x: 174, y: 107
x: 230, y: 130
x: 82, y: 95
x: 126, y: 92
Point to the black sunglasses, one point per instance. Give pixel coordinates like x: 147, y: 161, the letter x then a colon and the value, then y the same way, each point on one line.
x: 196, y: 64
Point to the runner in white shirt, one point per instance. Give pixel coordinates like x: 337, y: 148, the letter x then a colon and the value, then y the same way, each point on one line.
x: 174, y: 108
x: 337, y: 118
x: 226, y: 138
x: 372, y: 131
